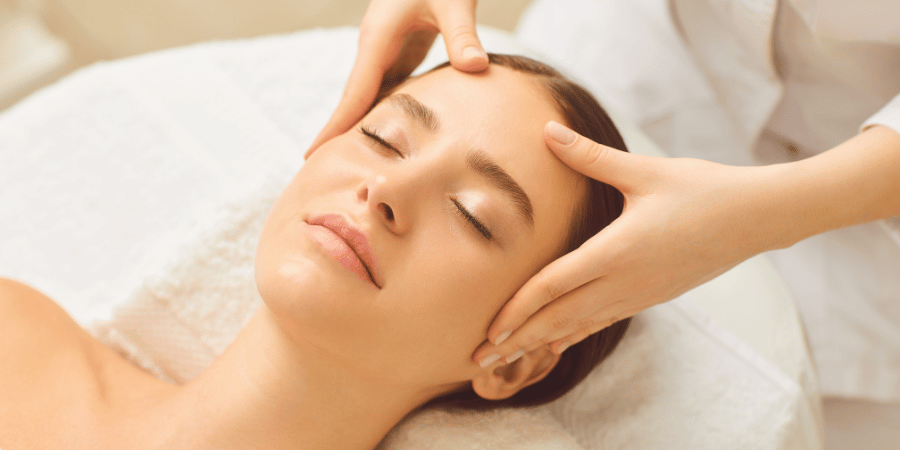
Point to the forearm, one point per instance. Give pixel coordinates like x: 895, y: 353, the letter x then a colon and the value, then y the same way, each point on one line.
x: 856, y: 182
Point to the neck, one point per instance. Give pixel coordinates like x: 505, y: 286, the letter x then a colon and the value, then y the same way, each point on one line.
x: 268, y: 391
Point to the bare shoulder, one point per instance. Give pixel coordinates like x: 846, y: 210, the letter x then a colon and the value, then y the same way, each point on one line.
x: 30, y: 317
x: 19, y: 298
x: 44, y: 367
x: 60, y: 387
x: 35, y: 332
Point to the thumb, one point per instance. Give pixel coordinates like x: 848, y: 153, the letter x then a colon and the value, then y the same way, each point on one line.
x: 617, y: 168
x: 457, y: 25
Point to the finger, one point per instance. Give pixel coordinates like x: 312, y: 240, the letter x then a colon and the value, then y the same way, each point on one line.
x: 619, y: 169
x: 378, y: 50
x: 575, y: 311
x: 413, y: 53
x: 605, y: 318
x: 561, y: 276
x: 457, y: 25
x: 566, y: 315
x: 508, y: 352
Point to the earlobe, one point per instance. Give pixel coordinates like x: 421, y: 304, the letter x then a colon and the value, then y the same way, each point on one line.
x: 499, y: 380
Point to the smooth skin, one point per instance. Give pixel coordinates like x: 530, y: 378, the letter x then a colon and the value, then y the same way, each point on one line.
x: 685, y: 221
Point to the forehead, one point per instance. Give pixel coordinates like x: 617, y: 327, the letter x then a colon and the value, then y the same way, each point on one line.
x: 499, y: 96
x: 503, y: 113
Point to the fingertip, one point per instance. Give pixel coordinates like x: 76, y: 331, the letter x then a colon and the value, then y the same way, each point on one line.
x: 488, y: 360
x: 473, y: 58
x: 501, y: 338
x: 483, y: 350
x: 559, y: 134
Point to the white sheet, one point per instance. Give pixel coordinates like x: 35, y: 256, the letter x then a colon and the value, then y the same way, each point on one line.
x: 115, y: 182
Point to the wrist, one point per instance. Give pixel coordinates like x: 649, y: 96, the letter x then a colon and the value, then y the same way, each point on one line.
x: 853, y: 183
x: 773, y: 200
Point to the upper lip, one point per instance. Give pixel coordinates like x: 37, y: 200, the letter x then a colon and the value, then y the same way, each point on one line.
x: 354, y: 237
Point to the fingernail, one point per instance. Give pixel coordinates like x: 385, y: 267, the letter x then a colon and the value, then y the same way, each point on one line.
x: 515, y: 356
x: 488, y: 360
x: 502, y: 337
x: 562, y: 347
x: 473, y: 52
x: 560, y: 133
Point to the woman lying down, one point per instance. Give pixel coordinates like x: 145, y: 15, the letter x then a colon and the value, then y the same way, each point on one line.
x: 380, y: 268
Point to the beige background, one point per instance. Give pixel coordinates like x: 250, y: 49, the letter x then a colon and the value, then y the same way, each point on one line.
x: 96, y: 30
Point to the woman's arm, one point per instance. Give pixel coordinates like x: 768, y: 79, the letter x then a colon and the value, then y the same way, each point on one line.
x: 685, y: 222
x: 855, y: 182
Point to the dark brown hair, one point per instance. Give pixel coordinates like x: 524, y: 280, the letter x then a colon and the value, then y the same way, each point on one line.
x: 600, y: 206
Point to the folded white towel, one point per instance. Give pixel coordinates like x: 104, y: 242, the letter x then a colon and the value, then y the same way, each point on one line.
x: 520, y: 429
x: 135, y: 191
x: 675, y: 369
x: 179, y: 320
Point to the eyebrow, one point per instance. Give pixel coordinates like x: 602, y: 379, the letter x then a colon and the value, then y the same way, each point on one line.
x: 415, y: 109
x: 477, y: 160
x: 482, y: 164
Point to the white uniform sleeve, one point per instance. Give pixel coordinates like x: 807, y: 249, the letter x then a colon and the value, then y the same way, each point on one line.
x: 888, y: 116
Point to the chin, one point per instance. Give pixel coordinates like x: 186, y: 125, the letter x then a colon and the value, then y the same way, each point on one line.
x: 301, y: 287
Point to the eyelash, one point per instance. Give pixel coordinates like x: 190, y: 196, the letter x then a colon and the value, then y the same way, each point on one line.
x: 472, y: 220
x: 378, y: 139
x: 382, y: 142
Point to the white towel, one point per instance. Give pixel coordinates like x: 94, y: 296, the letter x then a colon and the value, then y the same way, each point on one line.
x: 675, y: 367
x: 133, y: 192
x: 520, y: 429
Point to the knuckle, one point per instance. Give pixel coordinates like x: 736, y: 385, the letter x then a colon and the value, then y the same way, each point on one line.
x: 459, y: 33
x: 369, y: 29
x: 544, y: 341
x: 575, y: 338
x: 595, y: 153
x: 587, y: 324
x: 552, y: 289
x: 560, y: 320
x: 530, y: 341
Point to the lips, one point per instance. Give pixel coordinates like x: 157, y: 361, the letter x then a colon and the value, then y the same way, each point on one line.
x: 345, y: 243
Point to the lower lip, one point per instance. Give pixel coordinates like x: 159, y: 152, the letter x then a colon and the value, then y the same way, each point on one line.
x: 337, y: 249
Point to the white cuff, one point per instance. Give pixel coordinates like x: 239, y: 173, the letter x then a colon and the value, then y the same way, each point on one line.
x: 888, y: 116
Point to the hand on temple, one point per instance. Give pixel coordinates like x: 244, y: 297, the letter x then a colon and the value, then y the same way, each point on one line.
x: 685, y: 221
x: 394, y: 37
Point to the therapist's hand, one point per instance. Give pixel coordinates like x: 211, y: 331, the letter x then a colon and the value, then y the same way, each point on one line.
x: 685, y: 221
x: 394, y: 37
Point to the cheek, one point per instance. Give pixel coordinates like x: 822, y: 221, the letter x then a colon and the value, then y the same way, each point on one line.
x: 452, y: 289
x: 341, y: 158
x: 326, y: 172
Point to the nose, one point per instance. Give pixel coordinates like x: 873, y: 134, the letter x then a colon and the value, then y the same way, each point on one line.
x: 387, y: 201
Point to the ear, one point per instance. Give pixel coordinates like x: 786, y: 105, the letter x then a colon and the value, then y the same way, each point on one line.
x: 497, y: 382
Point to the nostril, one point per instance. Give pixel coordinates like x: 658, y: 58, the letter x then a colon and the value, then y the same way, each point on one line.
x: 388, y: 212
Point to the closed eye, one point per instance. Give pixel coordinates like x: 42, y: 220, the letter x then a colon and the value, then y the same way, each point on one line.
x: 375, y: 137
x: 472, y: 220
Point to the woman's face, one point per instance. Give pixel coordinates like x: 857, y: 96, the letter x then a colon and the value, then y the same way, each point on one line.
x: 460, y: 202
